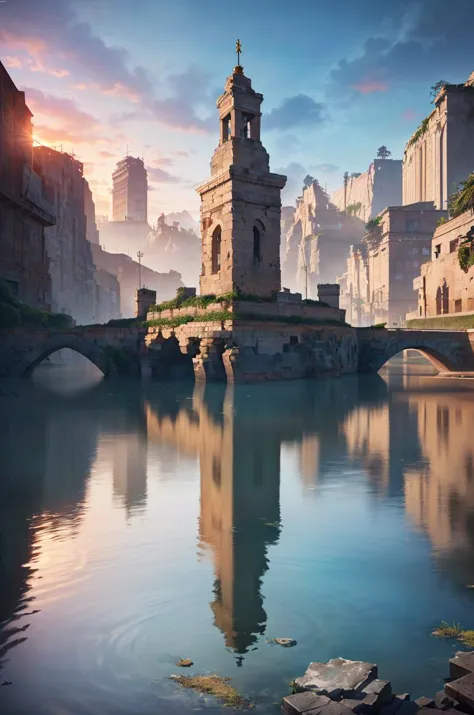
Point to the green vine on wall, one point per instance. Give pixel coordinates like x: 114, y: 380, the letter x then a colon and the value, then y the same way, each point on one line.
x: 465, y: 256
x: 421, y: 131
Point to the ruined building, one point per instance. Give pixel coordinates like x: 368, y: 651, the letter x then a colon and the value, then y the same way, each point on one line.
x: 366, y: 195
x: 76, y: 290
x: 170, y: 246
x: 377, y: 286
x: 71, y: 265
x: 440, y: 154
x: 445, y: 288
x: 130, y: 191
x: 92, y: 232
x: 317, y: 240
x: 240, y: 204
x: 26, y: 209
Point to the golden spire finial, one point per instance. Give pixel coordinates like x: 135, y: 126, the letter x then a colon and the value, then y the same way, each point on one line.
x: 238, y: 49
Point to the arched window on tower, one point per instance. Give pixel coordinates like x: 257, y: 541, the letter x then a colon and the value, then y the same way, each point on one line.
x: 258, y: 230
x: 226, y: 126
x: 246, y: 125
x: 216, y: 249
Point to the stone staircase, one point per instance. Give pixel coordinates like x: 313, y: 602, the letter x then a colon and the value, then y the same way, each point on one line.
x: 347, y: 687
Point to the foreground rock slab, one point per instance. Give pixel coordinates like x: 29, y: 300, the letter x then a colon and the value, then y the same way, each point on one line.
x: 337, y: 677
x: 462, y: 690
x: 308, y: 703
x: 462, y: 664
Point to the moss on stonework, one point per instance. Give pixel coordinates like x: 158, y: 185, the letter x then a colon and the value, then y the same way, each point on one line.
x: 455, y: 322
x: 202, y: 301
x: 421, y: 131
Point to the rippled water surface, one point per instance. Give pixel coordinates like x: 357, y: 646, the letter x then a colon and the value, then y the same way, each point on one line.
x: 144, y: 522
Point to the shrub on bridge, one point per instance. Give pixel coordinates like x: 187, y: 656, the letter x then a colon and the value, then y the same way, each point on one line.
x: 10, y: 316
x: 14, y: 313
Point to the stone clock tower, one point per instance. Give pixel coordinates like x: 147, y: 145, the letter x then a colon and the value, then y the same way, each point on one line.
x: 241, y: 204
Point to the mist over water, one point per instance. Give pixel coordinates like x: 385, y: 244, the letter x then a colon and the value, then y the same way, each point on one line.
x: 142, y: 522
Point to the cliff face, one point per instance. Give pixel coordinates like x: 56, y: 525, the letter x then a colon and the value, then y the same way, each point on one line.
x: 369, y: 193
x: 130, y: 275
x: 170, y: 247
x: 184, y: 219
x: 319, y: 237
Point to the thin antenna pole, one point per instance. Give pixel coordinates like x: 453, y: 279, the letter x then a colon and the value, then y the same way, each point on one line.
x: 140, y: 256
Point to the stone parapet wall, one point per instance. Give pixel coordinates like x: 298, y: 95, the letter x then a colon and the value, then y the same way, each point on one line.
x: 248, y: 308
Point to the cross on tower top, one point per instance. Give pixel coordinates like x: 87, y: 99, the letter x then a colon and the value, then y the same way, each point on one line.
x: 238, y: 50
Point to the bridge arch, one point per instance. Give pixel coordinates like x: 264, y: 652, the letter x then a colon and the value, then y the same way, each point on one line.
x: 450, y: 351
x: 93, y: 352
x: 441, y: 362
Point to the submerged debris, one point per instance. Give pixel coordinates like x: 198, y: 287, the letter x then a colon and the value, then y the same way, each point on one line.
x: 214, y: 685
x: 184, y: 663
x: 285, y: 642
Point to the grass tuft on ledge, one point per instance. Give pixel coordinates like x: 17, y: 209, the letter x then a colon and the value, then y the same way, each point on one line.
x: 214, y: 685
x: 446, y: 630
x: 455, y: 630
x: 453, y: 322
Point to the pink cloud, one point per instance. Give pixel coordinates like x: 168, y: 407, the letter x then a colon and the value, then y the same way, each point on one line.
x: 33, y: 45
x: 162, y: 161
x: 60, y: 109
x: 13, y: 62
x: 370, y: 87
x: 40, y: 67
x: 107, y: 155
x: 409, y: 115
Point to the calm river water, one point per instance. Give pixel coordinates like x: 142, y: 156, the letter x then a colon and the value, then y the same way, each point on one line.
x: 141, y: 523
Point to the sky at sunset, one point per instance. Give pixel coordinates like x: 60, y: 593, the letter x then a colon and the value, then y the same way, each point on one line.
x: 339, y: 79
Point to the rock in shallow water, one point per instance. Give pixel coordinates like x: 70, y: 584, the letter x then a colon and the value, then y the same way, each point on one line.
x: 285, y: 642
x: 337, y: 677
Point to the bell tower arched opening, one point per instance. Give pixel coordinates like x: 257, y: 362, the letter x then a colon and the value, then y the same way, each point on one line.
x: 216, y: 249
x: 258, y: 230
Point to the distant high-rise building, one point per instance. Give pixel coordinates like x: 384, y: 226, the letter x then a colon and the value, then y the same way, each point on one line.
x: 129, y: 192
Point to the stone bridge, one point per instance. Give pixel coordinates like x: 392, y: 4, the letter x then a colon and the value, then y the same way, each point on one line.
x: 447, y: 350
x: 114, y: 350
x: 133, y: 350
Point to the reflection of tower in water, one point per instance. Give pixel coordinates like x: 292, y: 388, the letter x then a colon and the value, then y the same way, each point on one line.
x: 130, y: 471
x: 240, y: 513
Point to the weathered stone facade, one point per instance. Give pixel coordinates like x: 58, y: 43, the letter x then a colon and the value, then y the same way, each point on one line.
x: 107, y: 296
x: 378, y: 283
x: 444, y: 288
x: 316, y: 241
x: 26, y: 207
x: 241, y: 204
x: 367, y: 194
x: 242, y: 350
x: 71, y: 264
x: 441, y: 153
